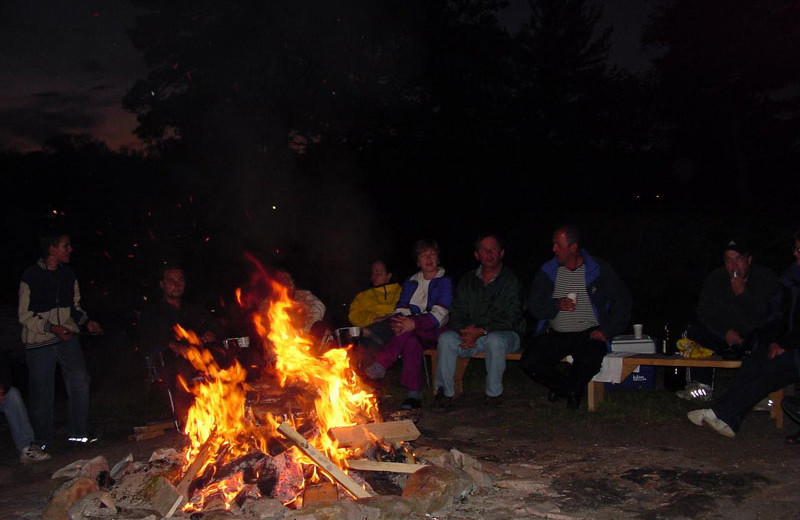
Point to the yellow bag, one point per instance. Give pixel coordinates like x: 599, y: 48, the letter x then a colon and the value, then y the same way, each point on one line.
x: 693, y: 350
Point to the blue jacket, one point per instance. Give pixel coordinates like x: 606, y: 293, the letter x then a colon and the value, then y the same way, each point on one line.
x: 440, y: 297
x: 611, y: 300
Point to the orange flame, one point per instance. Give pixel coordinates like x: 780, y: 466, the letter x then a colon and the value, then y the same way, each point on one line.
x: 219, y: 419
x: 341, y: 398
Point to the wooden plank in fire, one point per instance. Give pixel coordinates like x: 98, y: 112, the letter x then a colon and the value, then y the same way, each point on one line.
x: 323, y: 462
x: 198, y: 462
x: 374, y: 465
x: 390, y: 432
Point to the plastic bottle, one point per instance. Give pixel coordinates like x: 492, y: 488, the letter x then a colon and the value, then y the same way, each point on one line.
x: 666, y: 341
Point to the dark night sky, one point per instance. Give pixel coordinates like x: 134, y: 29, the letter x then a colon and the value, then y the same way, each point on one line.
x: 67, y: 65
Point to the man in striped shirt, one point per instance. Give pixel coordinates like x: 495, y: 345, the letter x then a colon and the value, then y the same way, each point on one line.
x: 580, y: 304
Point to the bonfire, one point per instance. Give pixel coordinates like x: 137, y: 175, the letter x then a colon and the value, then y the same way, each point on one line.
x: 225, y: 426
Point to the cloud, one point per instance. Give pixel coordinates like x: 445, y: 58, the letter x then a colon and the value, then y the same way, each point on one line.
x: 48, y: 114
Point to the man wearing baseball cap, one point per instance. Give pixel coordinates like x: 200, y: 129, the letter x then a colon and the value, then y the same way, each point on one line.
x: 735, y: 302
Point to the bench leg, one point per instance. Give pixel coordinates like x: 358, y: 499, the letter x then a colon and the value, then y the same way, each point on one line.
x: 776, y: 412
x: 458, y: 378
x: 595, y: 394
x: 434, y: 359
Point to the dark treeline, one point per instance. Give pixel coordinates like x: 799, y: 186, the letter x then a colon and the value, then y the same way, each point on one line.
x: 323, y: 134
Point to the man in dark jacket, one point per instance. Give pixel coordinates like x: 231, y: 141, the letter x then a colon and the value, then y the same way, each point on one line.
x: 735, y: 302
x: 580, y: 304
x: 156, y: 339
x: 773, y: 364
x: 486, y: 316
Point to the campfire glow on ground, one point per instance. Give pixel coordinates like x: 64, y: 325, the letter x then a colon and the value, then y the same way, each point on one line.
x: 221, y: 427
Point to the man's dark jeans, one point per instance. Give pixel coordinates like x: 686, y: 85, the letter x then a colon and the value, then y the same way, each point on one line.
x: 754, y: 380
x: 542, y: 357
x: 42, y: 363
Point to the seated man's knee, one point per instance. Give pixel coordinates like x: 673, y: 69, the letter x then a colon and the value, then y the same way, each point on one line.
x: 448, y: 341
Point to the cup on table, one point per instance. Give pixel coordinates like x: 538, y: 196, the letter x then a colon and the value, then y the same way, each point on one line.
x: 574, y: 297
x: 637, y: 330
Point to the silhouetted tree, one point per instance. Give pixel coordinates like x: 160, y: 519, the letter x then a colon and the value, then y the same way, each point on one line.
x: 563, y: 68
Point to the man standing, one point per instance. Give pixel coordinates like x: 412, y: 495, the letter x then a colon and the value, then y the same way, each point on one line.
x: 581, y: 304
x: 51, y: 317
x: 486, y: 316
x: 156, y: 335
x: 735, y: 302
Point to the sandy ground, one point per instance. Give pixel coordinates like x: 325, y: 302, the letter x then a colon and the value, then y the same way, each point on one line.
x: 547, y: 462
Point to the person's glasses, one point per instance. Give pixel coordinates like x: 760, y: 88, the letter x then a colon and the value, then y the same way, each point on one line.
x: 795, y: 249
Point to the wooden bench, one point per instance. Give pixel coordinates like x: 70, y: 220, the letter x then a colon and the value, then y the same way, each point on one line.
x: 596, y: 389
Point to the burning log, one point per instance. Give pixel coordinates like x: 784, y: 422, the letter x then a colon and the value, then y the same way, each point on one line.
x: 323, y: 462
x: 197, y: 464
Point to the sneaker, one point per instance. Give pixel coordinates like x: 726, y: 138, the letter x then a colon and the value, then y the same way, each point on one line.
x: 411, y: 404
x: 695, y: 392
x: 80, y: 441
x: 718, y: 425
x: 33, y: 453
x: 765, y: 405
x: 696, y: 416
x: 442, y: 402
x: 493, y: 402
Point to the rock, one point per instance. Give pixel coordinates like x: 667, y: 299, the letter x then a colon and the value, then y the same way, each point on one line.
x: 522, y: 486
x: 83, y: 468
x: 482, y: 480
x: 164, y: 497
x: 359, y: 511
x: 166, y: 454
x: 221, y: 515
x: 543, y: 509
x: 472, y: 467
x: 123, y: 467
x: 434, y: 456
x: 462, y: 460
x: 99, y: 504
x: 434, y: 487
x: 319, y: 511
x: 521, y: 470
x: 264, y: 509
x: 67, y: 494
x: 389, y: 507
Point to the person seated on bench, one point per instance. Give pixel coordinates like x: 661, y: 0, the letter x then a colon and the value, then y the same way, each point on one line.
x: 419, y: 317
x: 370, y: 310
x: 734, y: 304
x: 599, y: 308
x: 486, y: 317
x: 773, y: 364
x: 378, y: 302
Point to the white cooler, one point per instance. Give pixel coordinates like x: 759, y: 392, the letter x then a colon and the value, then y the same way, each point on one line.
x: 628, y: 343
